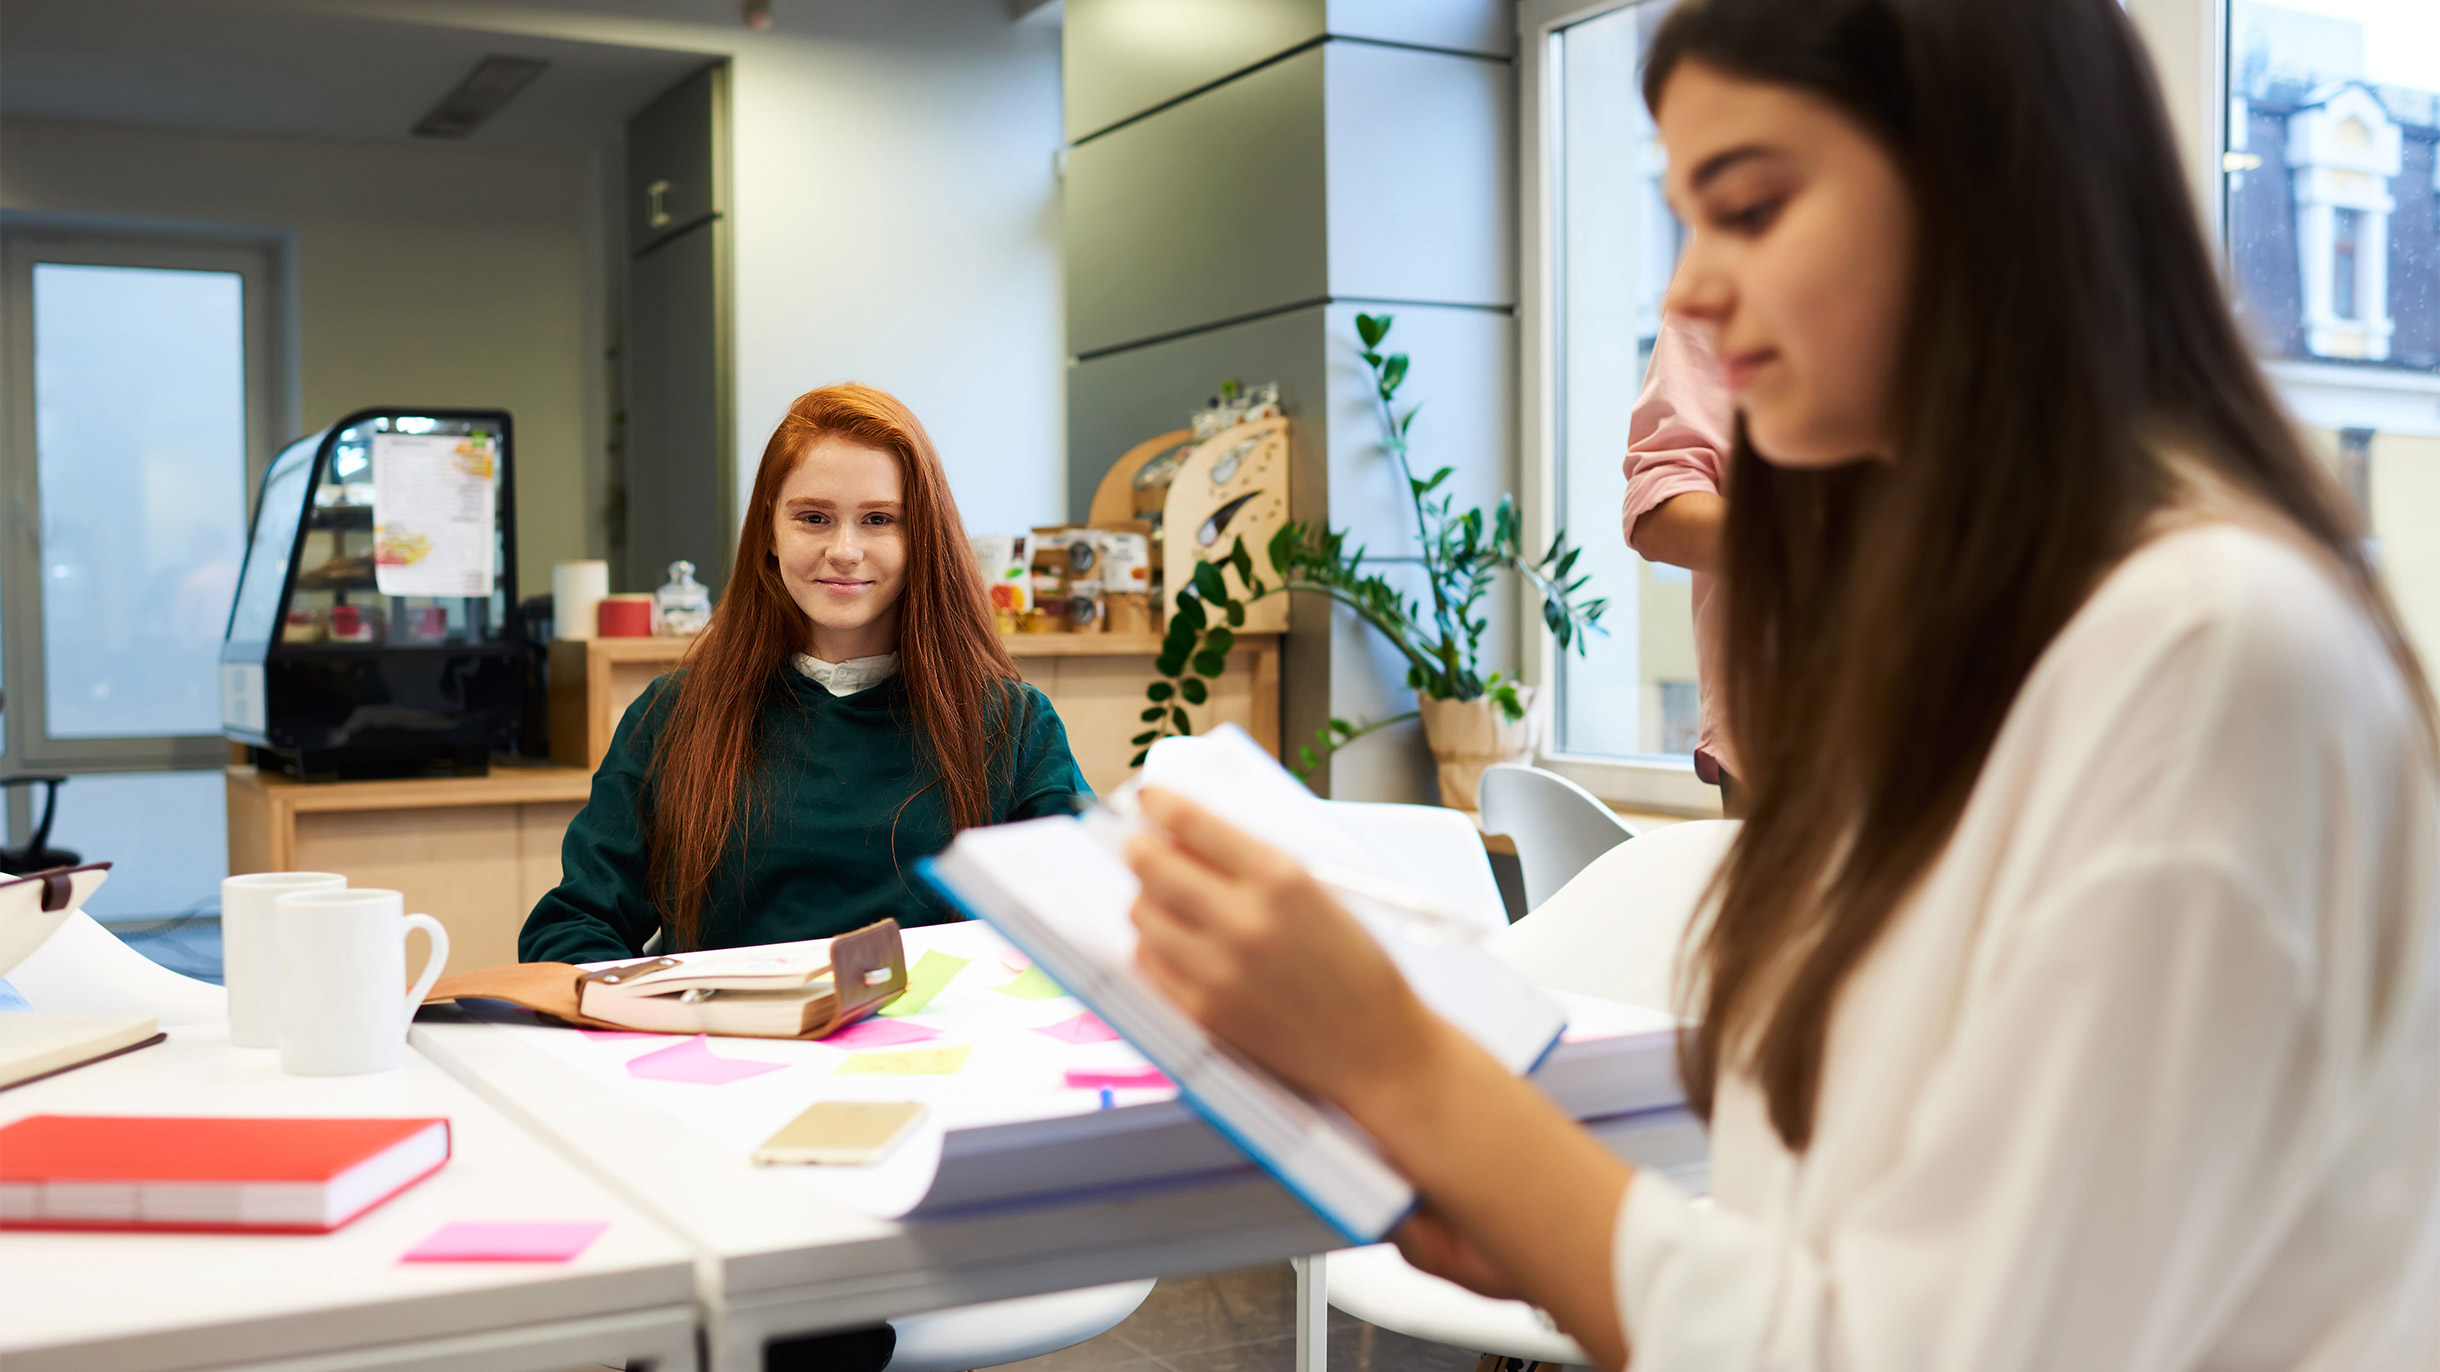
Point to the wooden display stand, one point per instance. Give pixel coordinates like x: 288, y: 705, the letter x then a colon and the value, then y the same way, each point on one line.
x: 473, y: 852
x: 1234, y: 485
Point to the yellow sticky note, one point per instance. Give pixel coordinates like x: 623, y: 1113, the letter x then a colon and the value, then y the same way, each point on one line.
x: 915, y: 1062
x: 934, y: 970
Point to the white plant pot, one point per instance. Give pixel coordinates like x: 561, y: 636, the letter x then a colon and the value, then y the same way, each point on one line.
x: 1467, y: 736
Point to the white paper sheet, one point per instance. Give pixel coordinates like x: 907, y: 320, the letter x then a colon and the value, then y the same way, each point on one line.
x: 1011, y: 1074
x: 435, y: 503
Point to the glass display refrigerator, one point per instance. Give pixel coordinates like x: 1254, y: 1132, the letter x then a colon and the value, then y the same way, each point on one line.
x: 372, y: 632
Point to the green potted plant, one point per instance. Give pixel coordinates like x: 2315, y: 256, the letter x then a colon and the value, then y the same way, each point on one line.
x: 1470, y: 718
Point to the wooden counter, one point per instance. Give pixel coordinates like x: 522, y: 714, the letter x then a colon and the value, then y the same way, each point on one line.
x: 477, y: 852
x: 1095, y: 681
x: 473, y: 852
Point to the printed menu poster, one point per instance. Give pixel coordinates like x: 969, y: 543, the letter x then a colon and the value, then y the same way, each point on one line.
x: 435, y: 501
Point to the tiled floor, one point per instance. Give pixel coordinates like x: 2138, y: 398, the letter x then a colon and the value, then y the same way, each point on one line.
x: 1240, y: 1322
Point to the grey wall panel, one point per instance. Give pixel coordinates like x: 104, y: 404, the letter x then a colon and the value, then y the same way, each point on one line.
x: 1210, y: 210
x: 1123, y: 57
x: 1119, y: 400
x: 677, y: 461
x: 1484, y: 26
x: 1422, y: 176
x: 674, y: 151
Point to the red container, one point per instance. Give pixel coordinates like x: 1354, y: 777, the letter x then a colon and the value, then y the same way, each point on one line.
x: 625, y: 616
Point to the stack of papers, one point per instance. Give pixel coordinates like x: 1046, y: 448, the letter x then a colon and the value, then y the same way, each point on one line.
x: 1057, y: 889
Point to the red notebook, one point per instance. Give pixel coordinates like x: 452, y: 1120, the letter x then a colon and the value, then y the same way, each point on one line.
x: 306, y: 1176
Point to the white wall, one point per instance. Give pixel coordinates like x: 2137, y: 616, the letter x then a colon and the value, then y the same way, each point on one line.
x: 897, y: 214
x: 422, y: 275
x: 898, y: 224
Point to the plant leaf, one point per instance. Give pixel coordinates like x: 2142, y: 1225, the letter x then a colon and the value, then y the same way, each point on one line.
x: 1138, y: 759
x: 1145, y: 737
x: 1192, y: 689
x: 1152, y: 713
x: 1219, y: 641
x: 1159, y: 690
x: 1393, y: 374
x: 1209, y: 584
x: 1178, y: 717
x: 1372, y: 328
x: 1170, y: 663
x: 1208, y: 663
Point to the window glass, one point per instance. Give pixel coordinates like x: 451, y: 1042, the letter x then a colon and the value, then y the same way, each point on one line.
x: 140, y: 443
x: 164, y: 834
x: 1633, y: 693
x: 2334, y: 241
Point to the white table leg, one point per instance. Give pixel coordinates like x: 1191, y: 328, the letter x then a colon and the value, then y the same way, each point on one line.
x: 1312, y: 1314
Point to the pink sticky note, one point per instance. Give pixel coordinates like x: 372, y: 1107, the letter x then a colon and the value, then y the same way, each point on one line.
x: 1124, y: 1079
x: 693, y: 1061
x: 880, y: 1033
x: 613, y: 1035
x: 1082, y: 1029
x: 1015, y: 961
x: 509, y: 1241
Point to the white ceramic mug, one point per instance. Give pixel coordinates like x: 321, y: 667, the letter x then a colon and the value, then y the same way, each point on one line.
x: 343, y: 955
x: 250, y: 949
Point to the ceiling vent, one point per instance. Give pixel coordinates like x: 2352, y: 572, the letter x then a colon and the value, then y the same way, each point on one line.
x: 486, y: 90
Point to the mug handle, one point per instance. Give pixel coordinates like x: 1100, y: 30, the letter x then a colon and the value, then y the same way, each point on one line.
x: 432, y: 964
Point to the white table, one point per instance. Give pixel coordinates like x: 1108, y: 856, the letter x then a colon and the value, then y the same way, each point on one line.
x: 137, y: 1302
x: 779, y: 1261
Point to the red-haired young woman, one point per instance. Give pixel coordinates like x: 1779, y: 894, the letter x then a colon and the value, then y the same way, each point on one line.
x: 849, y: 709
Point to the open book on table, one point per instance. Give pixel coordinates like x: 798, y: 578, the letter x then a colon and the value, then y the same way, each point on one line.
x: 783, y: 991
x: 1057, y: 889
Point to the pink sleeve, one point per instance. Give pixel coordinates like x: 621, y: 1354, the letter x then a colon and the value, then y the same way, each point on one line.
x: 1678, y: 435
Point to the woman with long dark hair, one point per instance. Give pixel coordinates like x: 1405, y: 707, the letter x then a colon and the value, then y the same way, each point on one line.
x: 2071, y: 996
x: 849, y: 709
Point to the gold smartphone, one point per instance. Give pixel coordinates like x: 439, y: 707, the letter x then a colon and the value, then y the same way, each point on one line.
x: 842, y: 1132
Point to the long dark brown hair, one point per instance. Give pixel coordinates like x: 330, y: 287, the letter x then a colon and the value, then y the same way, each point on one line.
x: 956, y: 672
x: 2064, y: 326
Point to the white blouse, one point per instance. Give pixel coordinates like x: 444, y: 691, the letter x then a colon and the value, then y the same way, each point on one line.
x: 2147, y: 1074
x: 849, y: 677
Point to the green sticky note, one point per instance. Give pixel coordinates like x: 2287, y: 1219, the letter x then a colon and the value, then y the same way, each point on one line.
x: 925, y: 979
x: 924, y: 1062
x: 1032, y: 984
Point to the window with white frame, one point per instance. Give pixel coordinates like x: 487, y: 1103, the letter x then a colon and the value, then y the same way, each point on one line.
x: 141, y: 379
x: 1625, y: 714
x: 2332, y: 207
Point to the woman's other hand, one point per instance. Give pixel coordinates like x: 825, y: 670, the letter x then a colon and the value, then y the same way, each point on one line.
x: 1240, y: 937
x: 1431, y: 1244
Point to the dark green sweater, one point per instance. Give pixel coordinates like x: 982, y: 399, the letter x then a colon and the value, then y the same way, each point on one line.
x: 833, y: 844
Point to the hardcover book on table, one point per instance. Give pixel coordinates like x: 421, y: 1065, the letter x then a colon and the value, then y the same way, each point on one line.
x: 307, y: 1176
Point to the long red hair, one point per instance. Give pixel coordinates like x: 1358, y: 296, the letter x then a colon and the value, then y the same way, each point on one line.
x: 956, y: 672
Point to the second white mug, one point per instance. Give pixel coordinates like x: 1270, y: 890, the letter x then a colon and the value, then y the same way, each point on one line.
x: 250, y: 949
x: 343, y: 956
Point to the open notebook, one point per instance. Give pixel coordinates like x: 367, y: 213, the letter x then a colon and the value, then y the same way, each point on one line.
x: 1057, y: 889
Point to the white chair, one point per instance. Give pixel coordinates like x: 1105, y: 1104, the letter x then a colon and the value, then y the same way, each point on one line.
x: 1558, y: 826
x: 1613, y: 932
x: 998, y: 1332
x: 84, y: 969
